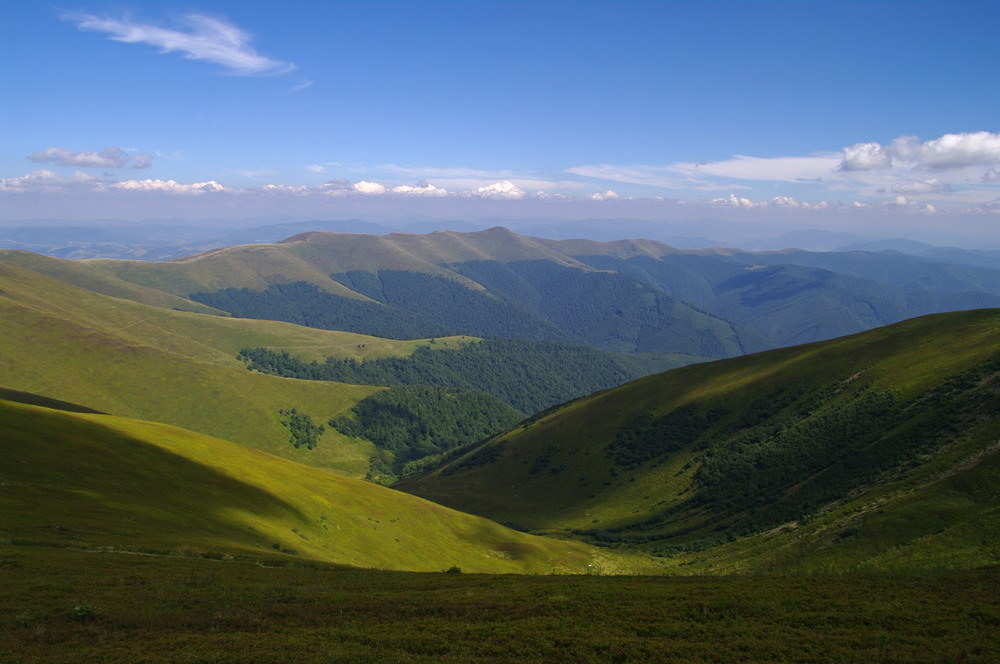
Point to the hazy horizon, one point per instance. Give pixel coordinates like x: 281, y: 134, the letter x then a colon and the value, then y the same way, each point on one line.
x: 751, y: 119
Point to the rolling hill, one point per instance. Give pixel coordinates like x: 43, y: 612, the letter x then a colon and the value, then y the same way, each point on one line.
x: 626, y: 296
x: 875, y: 450
x: 130, y: 359
x: 89, y: 481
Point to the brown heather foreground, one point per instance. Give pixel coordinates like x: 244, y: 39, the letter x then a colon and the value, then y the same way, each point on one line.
x: 62, y: 605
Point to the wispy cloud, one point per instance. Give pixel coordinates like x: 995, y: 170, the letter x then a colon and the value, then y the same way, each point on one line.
x: 109, y: 157
x: 298, y: 87
x: 201, y: 38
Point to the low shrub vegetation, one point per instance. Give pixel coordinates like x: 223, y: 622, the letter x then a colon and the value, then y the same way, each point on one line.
x: 171, y: 608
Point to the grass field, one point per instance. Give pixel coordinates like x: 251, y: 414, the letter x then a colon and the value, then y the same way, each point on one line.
x: 135, y: 360
x: 74, y: 606
x: 95, y: 481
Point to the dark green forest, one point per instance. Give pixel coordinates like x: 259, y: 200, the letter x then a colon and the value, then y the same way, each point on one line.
x: 534, y: 300
x: 790, y: 453
x: 529, y: 376
x: 415, y: 421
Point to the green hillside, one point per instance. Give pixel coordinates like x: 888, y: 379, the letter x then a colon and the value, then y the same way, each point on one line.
x: 95, y: 481
x: 124, y: 358
x: 874, y: 450
x: 411, y: 286
x: 626, y: 296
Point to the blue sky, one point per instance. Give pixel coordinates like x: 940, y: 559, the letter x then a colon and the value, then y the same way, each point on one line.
x: 841, y: 115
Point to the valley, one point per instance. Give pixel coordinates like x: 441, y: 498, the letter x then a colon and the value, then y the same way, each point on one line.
x: 247, y: 436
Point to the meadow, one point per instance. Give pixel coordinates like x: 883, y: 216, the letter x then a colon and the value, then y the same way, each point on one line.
x: 63, y: 605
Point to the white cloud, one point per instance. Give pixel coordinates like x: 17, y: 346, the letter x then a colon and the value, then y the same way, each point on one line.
x: 422, y: 189
x: 606, y: 196
x: 315, y: 168
x: 169, y: 186
x: 41, y: 180
x: 504, y: 190
x: 992, y: 175
x: 932, y: 186
x: 781, y: 202
x: 205, y: 38
x: 733, y: 202
x: 109, y: 157
x: 369, y: 188
x: 865, y: 157
x: 948, y: 151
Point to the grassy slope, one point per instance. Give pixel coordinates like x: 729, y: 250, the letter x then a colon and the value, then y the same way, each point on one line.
x: 134, y: 360
x: 309, y: 257
x: 97, y: 277
x: 88, y: 481
x: 553, y: 473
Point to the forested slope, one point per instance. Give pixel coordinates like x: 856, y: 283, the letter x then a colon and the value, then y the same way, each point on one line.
x: 832, y: 442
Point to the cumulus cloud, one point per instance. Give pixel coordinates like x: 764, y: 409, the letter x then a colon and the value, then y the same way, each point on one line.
x: 781, y: 202
x: 947, y: 152
x: 865, y: 157
x: 502, y: 190
x: 605, y: 196
x: 369, y: 188
x: 41, y: 180
x: 733, y: 202
x: 422, y: 189
x: 992, y: 175
x: 45, y: 181
x: 202, y: 38
x: 109, y: 157
x: 168, y: 186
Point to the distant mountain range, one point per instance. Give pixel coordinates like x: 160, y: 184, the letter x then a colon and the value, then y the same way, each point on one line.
x: 164, y: 239
x: 626, y: 296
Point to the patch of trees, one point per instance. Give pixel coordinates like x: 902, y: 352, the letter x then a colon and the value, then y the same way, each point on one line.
x: 790, y: 453
x: 646, y: 438
x: 530, y: 376
x: 301, y: 429
x: 415, y: 421
x: 452, y: 305
x: 305, y: 304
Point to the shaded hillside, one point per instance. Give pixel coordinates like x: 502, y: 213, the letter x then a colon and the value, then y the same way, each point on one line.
x: 528, y: 375
x: 86, y: 481
x: 806, y: 439
x: 798, y: 297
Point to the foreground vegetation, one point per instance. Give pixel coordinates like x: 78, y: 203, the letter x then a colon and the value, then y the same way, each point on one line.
x: 89, y: 481
x: 62, y: 605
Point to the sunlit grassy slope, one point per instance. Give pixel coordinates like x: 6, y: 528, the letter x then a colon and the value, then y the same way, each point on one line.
x: 84, y: 480
x: 920, y: 489
x: 311, y: 257
x: 126, y: 358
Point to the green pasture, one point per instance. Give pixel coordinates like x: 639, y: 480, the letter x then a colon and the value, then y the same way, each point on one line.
x: 90, y: 481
